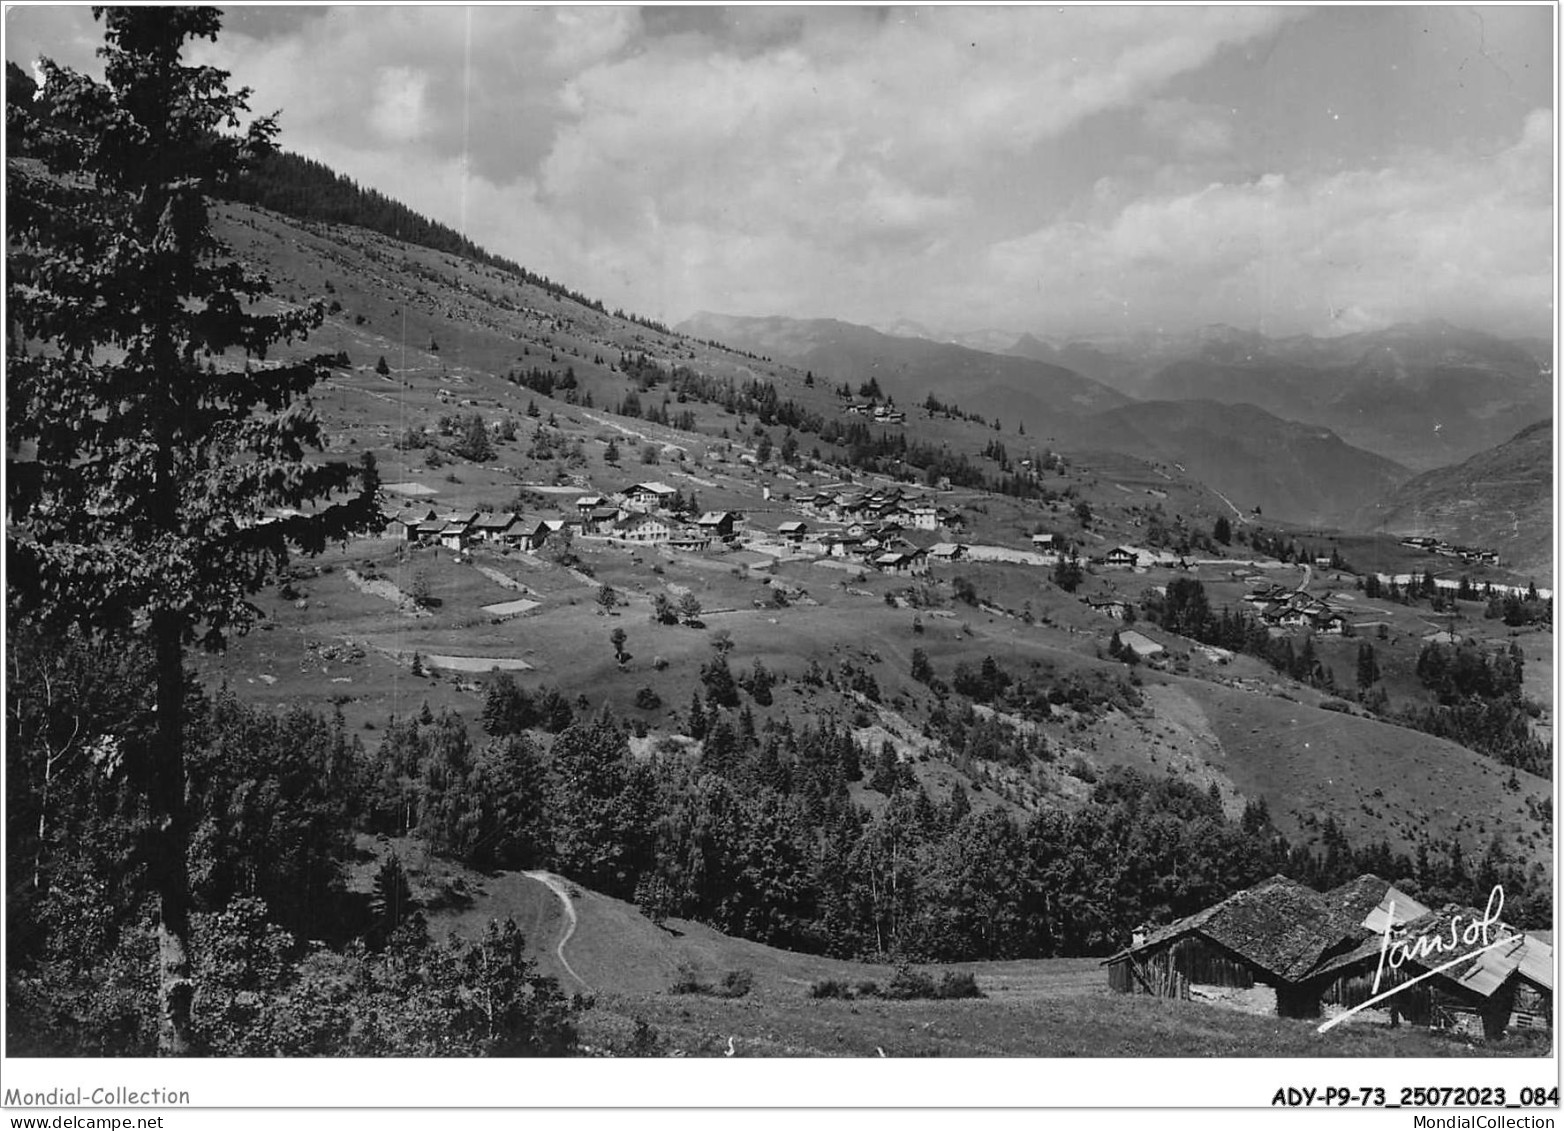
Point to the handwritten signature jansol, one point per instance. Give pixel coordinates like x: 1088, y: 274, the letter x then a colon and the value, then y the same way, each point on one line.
x: 1461, y: 943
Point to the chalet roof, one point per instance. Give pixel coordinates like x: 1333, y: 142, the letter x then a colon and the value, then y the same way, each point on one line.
x: 715, y: 518
x: 1367, y: 901
x: 945, y: 549
x: 655, y: 488
x: 496, y: 521
x: 586, y: 502
x: 464, y: 518
x: 1278, y: 926
x: 792, y: 527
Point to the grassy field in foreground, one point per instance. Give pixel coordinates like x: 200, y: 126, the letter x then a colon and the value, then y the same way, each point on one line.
x: 1100, y: 1024
x: 1032, y: 1008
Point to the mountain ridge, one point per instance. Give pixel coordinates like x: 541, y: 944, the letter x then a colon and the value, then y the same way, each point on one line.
x: 1498, y: 499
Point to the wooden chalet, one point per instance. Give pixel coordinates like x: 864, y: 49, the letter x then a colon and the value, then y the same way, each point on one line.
x: 947, y: 552
x: 1275, y: 933
x: 598, y: 520
x: 1121, y: 557
x: 845, y: 546
x: 642, y: 528
x: 494, y: 527
x: 793, y: 532
x: 650, y: 496
x: 903, y: 562
x: 528, y: 533
x: 718, y: 524
x: 404, y: 527
x: 1114, y: 607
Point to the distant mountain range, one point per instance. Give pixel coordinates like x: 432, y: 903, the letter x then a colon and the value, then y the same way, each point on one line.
x: 1296, y: 471
x: 996, y: 385
x: 1500, y: 499
x: 1424, y: 394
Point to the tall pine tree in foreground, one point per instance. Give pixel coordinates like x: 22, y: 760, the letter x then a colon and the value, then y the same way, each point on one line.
x: 147, y: 433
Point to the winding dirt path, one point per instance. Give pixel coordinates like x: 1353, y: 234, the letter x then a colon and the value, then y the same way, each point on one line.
x: 556, y: 884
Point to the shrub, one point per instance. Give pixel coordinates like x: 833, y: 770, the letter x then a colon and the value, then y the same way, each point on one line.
x: 1082, y: 770
x: 647, y: 699
x: 959, y: 984
x: 831, y: 988
x: 907, y: 984
x: 867, y: 989
x: 686, y: 980
x: 736, y: 983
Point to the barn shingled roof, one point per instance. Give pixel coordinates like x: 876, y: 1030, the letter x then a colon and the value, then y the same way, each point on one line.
x: 1279, y: 926
x: 1358, y: 899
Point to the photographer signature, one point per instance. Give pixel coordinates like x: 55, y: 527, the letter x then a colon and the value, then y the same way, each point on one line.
x: 1460, y: 943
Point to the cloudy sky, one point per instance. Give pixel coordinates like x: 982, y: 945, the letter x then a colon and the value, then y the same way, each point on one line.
x: 1058, y: 170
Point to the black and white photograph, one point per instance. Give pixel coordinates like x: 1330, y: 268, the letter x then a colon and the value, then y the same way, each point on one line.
x: 751, y: 533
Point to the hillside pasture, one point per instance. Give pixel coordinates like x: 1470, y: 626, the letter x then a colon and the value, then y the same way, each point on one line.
x: 1032, y: 1008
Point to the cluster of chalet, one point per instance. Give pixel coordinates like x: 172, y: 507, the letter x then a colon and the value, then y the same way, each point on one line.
x: 879, y: 413
x: 1446, y: 550
x: 1325, y: 948
x: 456, y: 530
x: 638, y: 515
x: 643, y: 515
x: 1283, y: 608
x: 886, y: 509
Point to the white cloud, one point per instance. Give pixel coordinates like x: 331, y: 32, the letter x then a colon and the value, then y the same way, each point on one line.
x: 399, y: 112
x: 889, y: 162
x: 1194, y: 131
x: 1461, y: 237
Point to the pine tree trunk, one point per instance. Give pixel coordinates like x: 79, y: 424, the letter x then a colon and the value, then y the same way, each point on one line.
x: 170, y: 866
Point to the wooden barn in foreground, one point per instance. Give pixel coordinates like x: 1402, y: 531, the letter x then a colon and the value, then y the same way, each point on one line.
x: 1273, y: 933
x: 1324, y: 948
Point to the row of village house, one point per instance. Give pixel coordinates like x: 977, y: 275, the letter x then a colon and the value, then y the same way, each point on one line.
x: 1318, y: 949
x: 640, y: 515
x: 1445, y: 550
x: 881, y: 505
